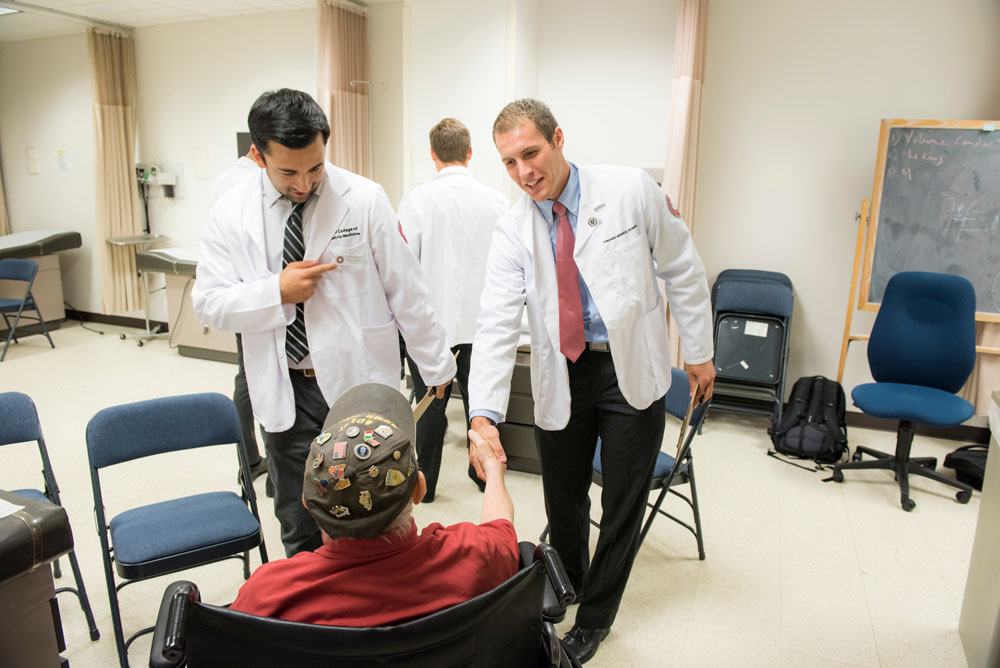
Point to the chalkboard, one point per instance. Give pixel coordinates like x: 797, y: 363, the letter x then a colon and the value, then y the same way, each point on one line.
x: 936, y: 207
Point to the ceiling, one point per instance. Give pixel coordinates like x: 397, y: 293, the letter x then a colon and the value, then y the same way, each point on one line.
x: 46, y: 18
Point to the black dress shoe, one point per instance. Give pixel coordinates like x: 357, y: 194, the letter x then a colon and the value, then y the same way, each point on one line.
x: 474, y: 478
x: 583, y: 642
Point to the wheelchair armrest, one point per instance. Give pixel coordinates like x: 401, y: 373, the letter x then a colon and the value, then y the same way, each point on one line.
x: 561, y: 586
x: 170, y: 632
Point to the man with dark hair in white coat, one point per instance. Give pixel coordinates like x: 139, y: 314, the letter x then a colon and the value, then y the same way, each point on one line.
x: 446, y: 222
x: 307, y: 263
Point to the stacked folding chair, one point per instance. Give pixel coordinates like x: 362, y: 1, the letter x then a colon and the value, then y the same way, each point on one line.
x: 753, y: 316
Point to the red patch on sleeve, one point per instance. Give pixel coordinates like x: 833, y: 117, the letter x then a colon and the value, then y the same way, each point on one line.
x: 673, y: 210
x: 400, y: 226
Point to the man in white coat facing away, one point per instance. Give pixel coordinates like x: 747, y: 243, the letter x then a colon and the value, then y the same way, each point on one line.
x: 583, y: 249
x: 306, y: 262
x: 448, y: 223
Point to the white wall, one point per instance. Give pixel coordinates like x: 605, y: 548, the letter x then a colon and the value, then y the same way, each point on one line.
x: 605, y: 70
x: 794, y: 92
x: 605, y: 73
x: 45, y: 103
x: 388, y: 42
x: 197, y: 81
x: 457, y: 65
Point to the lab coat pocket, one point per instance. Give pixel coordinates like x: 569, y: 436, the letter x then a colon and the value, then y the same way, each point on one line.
x: 382, y: 353
x: 355, y: 274
x: 625, y: 267
x: 658, y: 344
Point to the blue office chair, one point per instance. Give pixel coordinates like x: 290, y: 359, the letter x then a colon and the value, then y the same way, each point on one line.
x: 667, y: 473
x: 19, y: 424
x: 177, y: 534
x: 12, y: 269
x: 921, y: 351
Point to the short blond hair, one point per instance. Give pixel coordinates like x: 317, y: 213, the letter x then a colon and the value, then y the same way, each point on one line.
x: 526, y: 109
x: 450, y: 140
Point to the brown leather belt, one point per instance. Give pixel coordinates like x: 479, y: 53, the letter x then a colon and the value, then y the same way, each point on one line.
x: 308, y: 373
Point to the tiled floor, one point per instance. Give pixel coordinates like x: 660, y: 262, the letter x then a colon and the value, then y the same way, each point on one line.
x: 799, y: 573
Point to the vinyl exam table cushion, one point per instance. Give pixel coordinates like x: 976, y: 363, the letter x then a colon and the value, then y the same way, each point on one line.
x: 37, y: 242
x: 181, y: 261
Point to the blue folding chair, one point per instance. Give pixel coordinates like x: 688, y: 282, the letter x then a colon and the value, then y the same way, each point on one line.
x: 15, y: 269
x: 177, y: 534
x: 19, y: 424
x: 670, y: 470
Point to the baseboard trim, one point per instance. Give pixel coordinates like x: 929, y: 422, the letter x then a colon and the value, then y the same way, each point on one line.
x: 965, y: 433
x: 116, y: 320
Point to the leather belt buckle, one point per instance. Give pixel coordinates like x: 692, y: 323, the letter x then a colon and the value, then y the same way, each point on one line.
x: 308, y: 373
x: 599, y: 346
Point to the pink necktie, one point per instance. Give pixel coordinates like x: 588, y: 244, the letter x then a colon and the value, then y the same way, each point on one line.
x: 571, y: 341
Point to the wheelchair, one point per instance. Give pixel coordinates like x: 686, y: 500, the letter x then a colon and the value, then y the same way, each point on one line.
x: 511, y: 625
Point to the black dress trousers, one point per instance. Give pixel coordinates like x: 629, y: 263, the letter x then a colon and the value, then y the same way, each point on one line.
x: 630, y: 442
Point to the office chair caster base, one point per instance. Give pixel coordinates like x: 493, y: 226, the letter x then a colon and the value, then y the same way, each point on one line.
x: 121, y: 336
x: 856, y: 457
x: 139, y: 343
x: 907, y: 503
x: 963, y: 497
x: 837, y: 476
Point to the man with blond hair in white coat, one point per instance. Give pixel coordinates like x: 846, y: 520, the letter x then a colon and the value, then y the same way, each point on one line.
x: 446, y: 222
x: 305, y: 260
x: 582, y: 250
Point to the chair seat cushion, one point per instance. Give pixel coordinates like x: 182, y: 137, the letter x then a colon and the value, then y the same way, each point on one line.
x: 664, y: 464
x: 180, y: 525
x: 915, y: 403
x: 36, y: 494
x: 9, y: 304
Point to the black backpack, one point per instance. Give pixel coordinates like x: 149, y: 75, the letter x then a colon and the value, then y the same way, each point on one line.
x: 969, y: 463
x: 812, y: 425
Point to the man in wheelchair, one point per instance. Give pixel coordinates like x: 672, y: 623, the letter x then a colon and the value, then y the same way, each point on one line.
x: 374, y: 568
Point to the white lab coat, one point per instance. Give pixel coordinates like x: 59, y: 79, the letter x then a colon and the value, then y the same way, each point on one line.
x: 353, y: 316
x: 448, y: 223
x: 625, y: 238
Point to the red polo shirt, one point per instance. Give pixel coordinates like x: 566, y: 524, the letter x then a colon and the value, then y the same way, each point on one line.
x: 378, y: 581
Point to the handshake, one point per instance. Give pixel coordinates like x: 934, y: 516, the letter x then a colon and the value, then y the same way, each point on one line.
x: 483, y: 457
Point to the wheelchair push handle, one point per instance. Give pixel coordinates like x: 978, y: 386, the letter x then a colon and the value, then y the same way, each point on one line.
x: 557, y: 573
x: 170, y: 633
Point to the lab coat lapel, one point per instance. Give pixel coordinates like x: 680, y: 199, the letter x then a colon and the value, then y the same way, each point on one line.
x: 587, y: 218
x: 331, y: 208
x: 253, y: 223
x: 539, y: 245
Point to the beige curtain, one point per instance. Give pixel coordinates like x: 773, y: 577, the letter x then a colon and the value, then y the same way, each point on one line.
x: 342, y: 53
x: 4, y: 223
x: 985, y: 378
x: 113, y: 82
x: 680, y: 172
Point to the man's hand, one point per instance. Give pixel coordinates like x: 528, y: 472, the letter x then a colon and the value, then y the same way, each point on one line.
x: 298, y: 280
x: 491, y: 466
x: 439, y: 390
x: 701, y: 377
x: 496, y: 501
x: 490, y: 447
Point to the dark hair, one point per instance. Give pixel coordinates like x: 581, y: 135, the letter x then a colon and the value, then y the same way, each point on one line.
x: 526, y: 109
x: 290, y: 117
x: 450, y: 141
